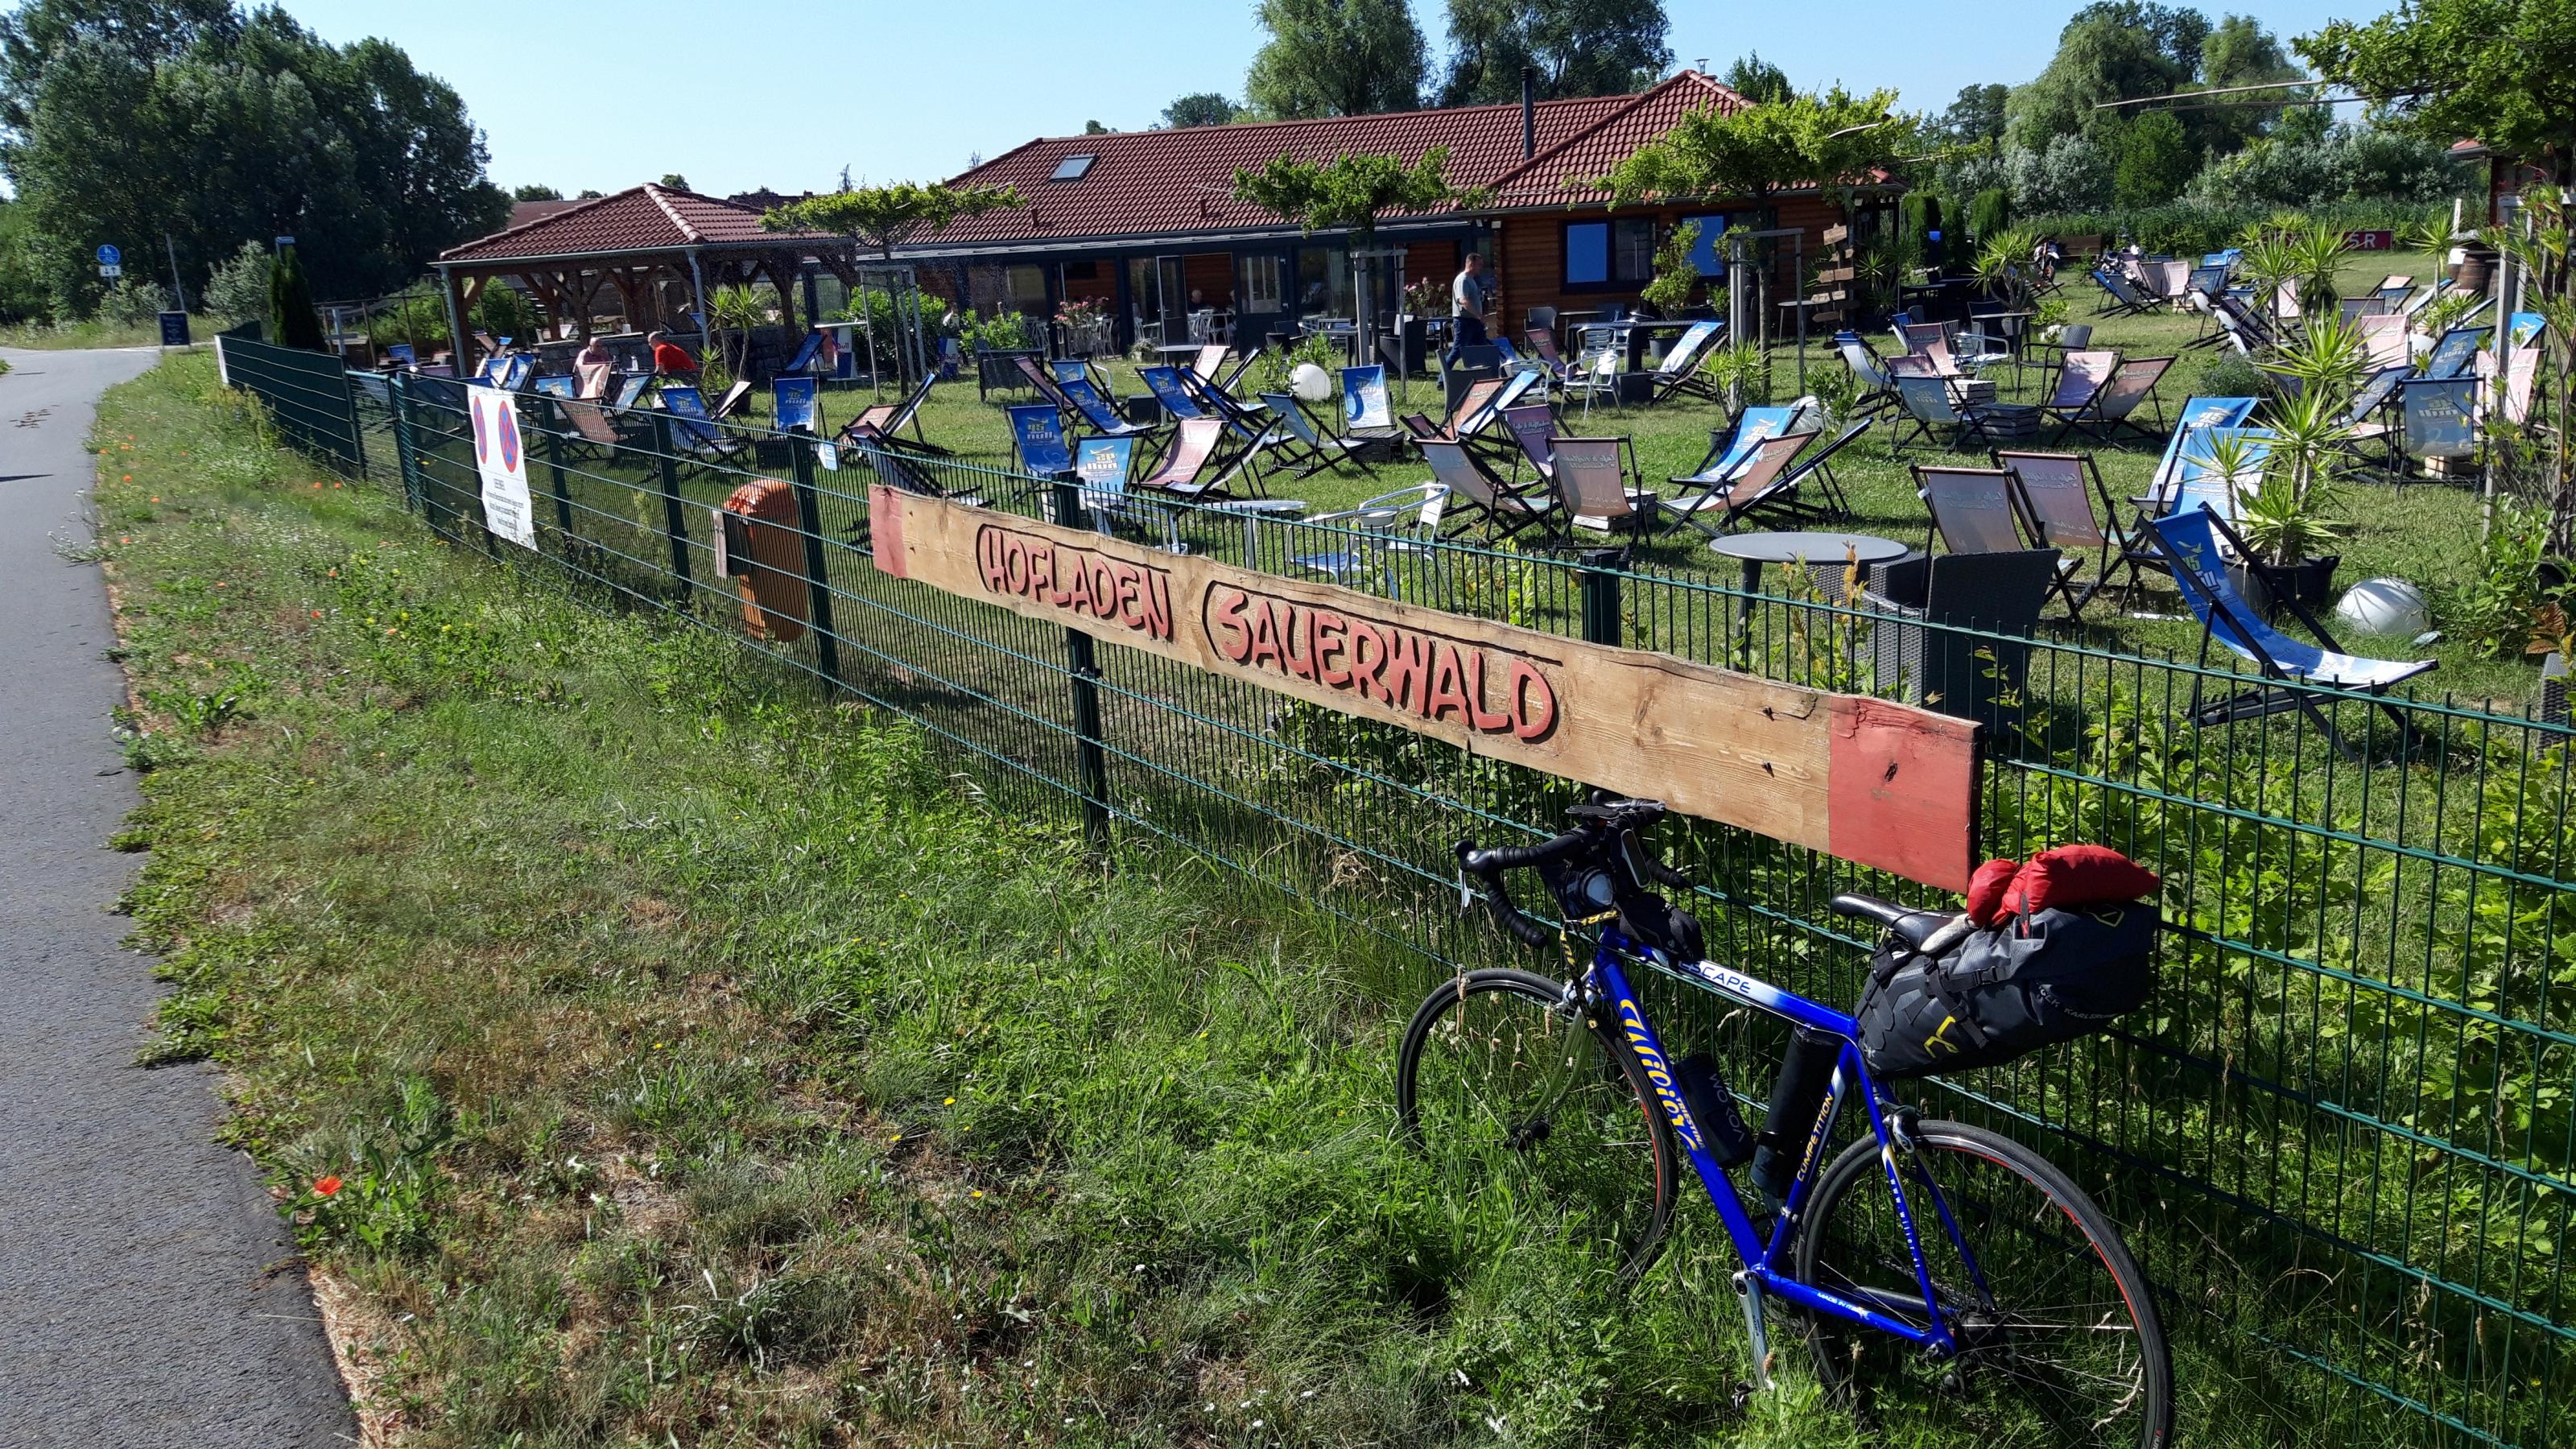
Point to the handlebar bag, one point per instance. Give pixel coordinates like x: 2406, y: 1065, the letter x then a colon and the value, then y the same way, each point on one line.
x: 2036, y: 979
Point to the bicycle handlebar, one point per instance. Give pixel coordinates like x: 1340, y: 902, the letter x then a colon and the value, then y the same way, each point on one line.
x: 1488, y: 867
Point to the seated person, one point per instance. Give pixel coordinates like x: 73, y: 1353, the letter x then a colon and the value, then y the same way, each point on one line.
x: 671, y: 359
x: 591, y: 367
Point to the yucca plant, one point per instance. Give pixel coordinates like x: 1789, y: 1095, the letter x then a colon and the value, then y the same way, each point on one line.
x: 2327, y: 359
x: 2315, y: 252
x: 2270, y: 259
x: 2285, y: 492
x: 2003, y: 268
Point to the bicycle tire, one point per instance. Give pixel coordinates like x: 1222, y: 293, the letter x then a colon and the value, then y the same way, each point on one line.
x: 1583, y: 1106
x: 2012, y: 1395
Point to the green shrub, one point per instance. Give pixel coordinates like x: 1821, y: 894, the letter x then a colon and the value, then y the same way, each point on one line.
x: 2232, y: 374
x: 238, y: 289
x: 1990, y: 213
x: 2189, y: 228
x: 292, y: 322
x: 130, y: 303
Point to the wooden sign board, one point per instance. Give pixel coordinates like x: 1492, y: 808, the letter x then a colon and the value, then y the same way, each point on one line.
x: 1881, y: 784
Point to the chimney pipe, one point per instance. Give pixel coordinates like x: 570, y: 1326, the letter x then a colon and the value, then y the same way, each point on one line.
x: 1529, y: 111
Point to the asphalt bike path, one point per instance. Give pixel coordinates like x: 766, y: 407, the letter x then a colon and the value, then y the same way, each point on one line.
x: 148, y: 1293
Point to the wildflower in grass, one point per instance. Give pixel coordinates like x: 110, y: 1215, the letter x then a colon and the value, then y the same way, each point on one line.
x: 125, y: 477
x: 325, y: 1186
x: 317, y: 613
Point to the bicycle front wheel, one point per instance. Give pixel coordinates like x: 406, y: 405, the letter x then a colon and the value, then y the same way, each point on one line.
x: 2059, y: 1340
x: 1502, y: 1076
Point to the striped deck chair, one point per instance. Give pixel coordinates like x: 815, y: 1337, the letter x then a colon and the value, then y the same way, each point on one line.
x: 892, y: 418
x: 1195, y: 465
x: 2081, y: 376
x: 1593, y: 486
x: 2131, y: 387
x: 1178, y: 401
x: 1504, y: 511
x: 2124, y: 297
x: 1758, y: 484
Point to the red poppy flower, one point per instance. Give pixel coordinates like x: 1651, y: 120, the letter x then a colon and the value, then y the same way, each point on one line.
x: 325, y: 1186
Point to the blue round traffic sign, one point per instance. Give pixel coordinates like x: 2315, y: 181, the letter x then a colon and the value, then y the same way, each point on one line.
x: 109, y: 256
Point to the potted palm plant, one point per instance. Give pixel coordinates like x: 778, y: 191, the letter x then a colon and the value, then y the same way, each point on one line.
x: 2286, y: 500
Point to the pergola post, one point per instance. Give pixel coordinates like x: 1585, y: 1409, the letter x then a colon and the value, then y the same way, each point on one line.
x: 460, y: 351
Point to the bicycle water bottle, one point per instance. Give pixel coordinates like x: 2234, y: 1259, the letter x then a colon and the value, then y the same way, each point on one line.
x: 1806, y: 1072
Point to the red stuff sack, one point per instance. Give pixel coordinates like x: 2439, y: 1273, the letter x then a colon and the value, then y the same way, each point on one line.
x: 2069, y: 877
x: 1986, y: 891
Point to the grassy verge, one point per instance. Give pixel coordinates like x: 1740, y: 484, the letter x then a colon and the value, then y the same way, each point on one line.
x: 100, y: 333
x: 702, y: 1064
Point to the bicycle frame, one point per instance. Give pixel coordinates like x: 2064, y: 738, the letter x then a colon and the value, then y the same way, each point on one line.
x: 1762, y: 1260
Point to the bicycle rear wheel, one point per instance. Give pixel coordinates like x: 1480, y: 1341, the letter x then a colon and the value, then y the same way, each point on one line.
x: 1546, y: 1099
x: 2060, y: 1343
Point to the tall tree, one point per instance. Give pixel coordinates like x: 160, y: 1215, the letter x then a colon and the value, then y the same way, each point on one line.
x: 1977, y: 115
x: 145, y: 30
x: 2240, y: 52
x: 1759, y: 80
x: 1336, y: 58
x: 2501, y: 71
x: 535, y: 191
x: 1578, y: 48
x: 252, y: 130
x: 674, y: 181
x: 2152, y: 160
x: 1199, y: 108
x: 2116, y: 50
x: 1829, y: 138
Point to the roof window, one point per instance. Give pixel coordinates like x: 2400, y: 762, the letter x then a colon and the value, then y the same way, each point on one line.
x: 1071, y: 168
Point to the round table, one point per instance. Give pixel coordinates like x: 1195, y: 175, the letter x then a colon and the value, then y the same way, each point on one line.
x: 1829, y: 550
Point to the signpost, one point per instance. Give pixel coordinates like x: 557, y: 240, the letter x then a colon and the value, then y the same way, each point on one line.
x: 110, y: 261
x: 174, y: 329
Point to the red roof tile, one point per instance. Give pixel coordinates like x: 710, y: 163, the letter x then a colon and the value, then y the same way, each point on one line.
x: 1600, y: 147
x: 1162, y: 183
x: 639, y: 219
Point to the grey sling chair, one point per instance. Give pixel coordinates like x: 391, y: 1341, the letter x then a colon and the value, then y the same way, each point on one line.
x: 1504, y: 511
x: 2056, y: 492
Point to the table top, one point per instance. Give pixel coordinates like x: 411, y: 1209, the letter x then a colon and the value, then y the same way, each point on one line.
x: 1258, y: 505
x: 1808, y: 547
x: 1178, y: 349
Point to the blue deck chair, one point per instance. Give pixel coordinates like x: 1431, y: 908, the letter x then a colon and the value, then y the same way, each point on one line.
x: 628, y: 390
x: 401, y: 354
x: 1678, y: 373
x: 900, y: 467
x: 692, y: 429
x: 1178, y: 401
x: 1307, y: 447
x: 2364, y: 424
x: 1367, y: 415
x: 1105, y: 465
x: 2199, y: 544
x: 2124, y: 296
x: 1080, y: 400
x: 2196, y: 413
x: 793, y: 407
x: 2198, y: 481
x: 1038, y: 443
x: 1391, y: 524
x: 553, y: 386
x: 803, y: 361
x: 2457, y: 352
x: 1878, y: 389
x: 2524, y: 328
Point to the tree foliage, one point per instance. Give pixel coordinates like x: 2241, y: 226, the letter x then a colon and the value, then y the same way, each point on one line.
x: 2152, y: 160
x: 2500, y: 71
x: 535, y: 191
x: 1350, y: 191
x: 1758, y: 80
x: 1976, y: 116
x: 2116, y: 50
x: 885, y: 217
x: 292, y: 322
x: 1336, y: 58
x: 1199, y: 108
x: 674, y: 181
x: 237, y: 291
x: 2238, y: 51
x: 1578, y: 48
x: 1832, y: 138
x: 130, y: 117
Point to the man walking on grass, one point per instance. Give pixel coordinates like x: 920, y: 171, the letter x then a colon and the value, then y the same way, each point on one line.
x: 1471, y: 300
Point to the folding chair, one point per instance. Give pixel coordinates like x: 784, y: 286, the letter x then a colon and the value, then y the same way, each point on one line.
x: 2057, y: 508
x: 1930, y: 402
x: 1542, y: 343
x: 693, y: 429
x: 892, y: 418
x: 1197, y: 446
x: 1679, y: 371
x: 2521, y: 377
x: 593, y: 437
x: 2393, y: 289
x: 2125, y: 299
x: 1178, y: 401
x: 1931, y: 342
x: 1039, y: 446
x: 1759, y: 484
x: 2081, y: 376
x: 2197, y: 543
x: 1083, y: 405
x: 1210, y: 361
x: 2384, y: 335
x: 2131, y: 386
x: 2456, y: 352
x: 1506, y: 511
x: 629, y: 390
x: 1594, y: 488
x: 1972, y: 509
x: 732, y: 402
x: 1878, y: 389
x: 2438, y: 418
x: 1367, y: 418
x: 1533, y: 426
x: 554, y: 387
x: 794, y: 406
x: 1307, y: 447
x: 899, y: 468
x: 2363, y: 423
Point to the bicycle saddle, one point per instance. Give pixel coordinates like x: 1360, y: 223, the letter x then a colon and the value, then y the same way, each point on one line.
x: 1912, y: 924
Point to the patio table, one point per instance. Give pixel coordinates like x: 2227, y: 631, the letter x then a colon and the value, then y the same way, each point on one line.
x: 1827, y: 555
x: 1252, y: 511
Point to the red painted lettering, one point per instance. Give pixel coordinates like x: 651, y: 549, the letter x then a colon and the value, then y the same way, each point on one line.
x: 1448, y: 684
x: 992, y: 557
x: 1408, y: 669
x: 1158, y: 604
x: 1298, y: 628
x: 1368, y: 658
x: 1481, y: 718
x: 1331, y: 630
x: 1532, y: 718
x: 1234, y: 637
x: 1265, y: 634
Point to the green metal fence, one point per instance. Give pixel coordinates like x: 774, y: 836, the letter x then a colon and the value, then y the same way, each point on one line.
x: 2341, y: 1138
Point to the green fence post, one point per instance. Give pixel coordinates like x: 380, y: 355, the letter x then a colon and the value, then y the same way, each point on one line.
x: 818, y: 588
x: 555, y: 469
x: 406, y: 461
x: 1599, y: 582
x: 674, y: 518
x: 357, y: 433
x: 1091, y: 762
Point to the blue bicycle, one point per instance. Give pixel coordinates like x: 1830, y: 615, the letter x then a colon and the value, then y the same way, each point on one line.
x: 1926, y: 1258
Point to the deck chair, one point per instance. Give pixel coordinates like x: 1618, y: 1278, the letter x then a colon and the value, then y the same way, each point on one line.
x: 1198, y: 446
x: 2365, y: 422
x: 1104, y: 464
x: 1179, y: 403
x: 1533, y: 427
x: 2056, y: 503
x: 1087, y: 408
x: 1678, y: 374
x: 2438, y: 419
x: 732, y: 402
x: 1039, y: 446
x: 554, y: 387
x: 1930, y: 403
x: 1931, y: 342
x: 2514, y: 391
x: 2124, y: 297
x: 1972, y: 509
x: 693, y: 428
x: 1760, y: 485
x: 897, y: 466
x: 2166, y: 281
x: 2198, y: 543
x: 1306, y: 446
x: 1504, y: 511
x: 2081, y: 376
x: 2384, y: 334
x: 593, y: 437
x: 810, y: 349
x: 1210, y: 361
x: 892, y: 418
x: 1543, y: 350
x: 2457, y: 352
x: 2131, y: 387
x: 1368, y: 420
x: 793, y: 406
x: 2394, y: 289
x: 1593, y: 483
x: 628, y: 390
x: 1878, y: 389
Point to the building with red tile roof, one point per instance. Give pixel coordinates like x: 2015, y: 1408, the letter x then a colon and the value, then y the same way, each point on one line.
x: 1146, y: 222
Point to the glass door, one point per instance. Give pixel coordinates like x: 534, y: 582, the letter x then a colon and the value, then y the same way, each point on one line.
x: 1174, y: 294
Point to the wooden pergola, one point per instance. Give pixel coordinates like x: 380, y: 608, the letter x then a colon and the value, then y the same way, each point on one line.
x: 640, y: 241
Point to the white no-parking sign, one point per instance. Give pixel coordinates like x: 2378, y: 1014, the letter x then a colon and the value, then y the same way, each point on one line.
x: 501, y: 457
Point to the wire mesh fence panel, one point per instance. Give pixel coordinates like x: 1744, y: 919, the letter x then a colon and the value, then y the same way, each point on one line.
x: 2342, y: 1131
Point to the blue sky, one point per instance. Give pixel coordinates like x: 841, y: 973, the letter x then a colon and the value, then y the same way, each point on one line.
x: 587, y: 94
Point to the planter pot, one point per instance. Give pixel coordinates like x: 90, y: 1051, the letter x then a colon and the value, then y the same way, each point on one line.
x: 2309, y: 581
x: 2555, y: 690
x: 2254, y: 584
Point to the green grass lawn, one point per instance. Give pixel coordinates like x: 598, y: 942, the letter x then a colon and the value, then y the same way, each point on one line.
x: 705, y: 1063
x: 2425, y: 533
x: 101, y: 333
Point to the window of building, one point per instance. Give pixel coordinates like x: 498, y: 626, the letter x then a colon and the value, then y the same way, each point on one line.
x: 1025, y: 289
x: 1609, y: 254
x: 1323, y: 282
x: 1071, y: 168
x: 1707, y: 253
x: 1261, y: 284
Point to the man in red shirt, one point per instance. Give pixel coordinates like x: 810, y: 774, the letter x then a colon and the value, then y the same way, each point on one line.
x: 671, y: 359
